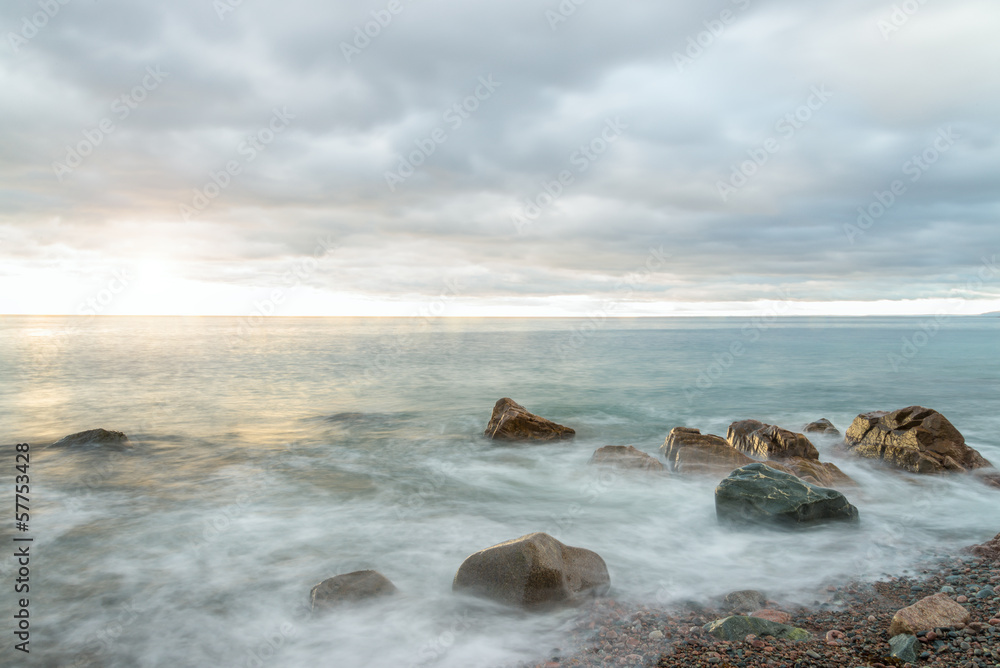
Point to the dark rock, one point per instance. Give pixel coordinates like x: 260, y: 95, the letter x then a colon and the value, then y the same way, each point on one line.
x: 758, y: 494
x: 738, y: 627
x: 916, y: 439
x: 101, y: 437
x: 747, y: 601
x: 905, y: 647
x: 533, y: 571
x: 687, y: 450
x: 625, y: 457
x: 821, y: 426
x: 768, y: 441
x: 512, y: 422
x: 350, y: 588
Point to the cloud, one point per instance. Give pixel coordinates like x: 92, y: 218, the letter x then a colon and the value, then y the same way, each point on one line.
x: 727, y: 157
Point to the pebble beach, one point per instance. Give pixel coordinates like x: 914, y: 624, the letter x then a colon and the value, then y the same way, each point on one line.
x: 849, y: 626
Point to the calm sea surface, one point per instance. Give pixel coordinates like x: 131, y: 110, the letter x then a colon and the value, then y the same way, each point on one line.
x: 270, y: 456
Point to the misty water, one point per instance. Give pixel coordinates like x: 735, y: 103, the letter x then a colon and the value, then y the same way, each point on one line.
x: 268, y: 458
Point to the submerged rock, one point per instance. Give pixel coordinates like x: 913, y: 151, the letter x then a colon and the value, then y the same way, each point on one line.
x: 101, y: 437
x: 824, y: 474
x: 626, y: 457
x: 915, y: 439
x: 350, y: 588
x: 738, y: 627
x: 532, y: 571
x: 687, y: 450
x: 512, y: 422
x: 821, y: 426
x: 768, y: 441
x: 927, y: 614
x: 758, y: 494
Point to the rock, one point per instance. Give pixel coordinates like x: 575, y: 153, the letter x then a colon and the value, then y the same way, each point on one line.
x: 625, y: 457
x: 687, y: 450
x: 746, y: 600
x: 824, y: 474
x: 512, y: 422
x: 988, y: 550
x: 821, y: 426
x: 101, y: 437
x: 758, y: 494
x: 738, y: 627
x: 655, y: 635
x: 927, y: 614
x: 768, y: 441
x: 915, y: 439
x: 772, y: 615
x: 533, y: 570
x: 905, y: 647
x: 350, y: 588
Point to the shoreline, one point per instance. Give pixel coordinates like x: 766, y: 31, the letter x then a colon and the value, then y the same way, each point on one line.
x: 850, y: 628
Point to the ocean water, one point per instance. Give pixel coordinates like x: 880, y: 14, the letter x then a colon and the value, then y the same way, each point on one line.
x: 271, y: 455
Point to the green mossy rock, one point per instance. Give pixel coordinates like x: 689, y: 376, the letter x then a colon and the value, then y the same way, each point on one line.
x: 739, y: 627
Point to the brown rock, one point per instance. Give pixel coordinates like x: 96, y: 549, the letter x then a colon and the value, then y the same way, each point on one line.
x: 533, y: 570
x: 773, y: 616
x: 824, y: 474
x: 821, y: 426
x: 988, y: 550
x: 102, y: 437
x: 512, y: 422
x: 349, y: 588
x: 916, y: 439
x: 928, y: 613
x: 768, y: 441
x: 687, y: 450
x: 625, y: 457
x: 745, y: 601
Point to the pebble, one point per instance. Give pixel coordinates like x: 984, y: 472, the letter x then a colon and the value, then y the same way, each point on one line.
x: 962, y: 599
x: 655, y: 635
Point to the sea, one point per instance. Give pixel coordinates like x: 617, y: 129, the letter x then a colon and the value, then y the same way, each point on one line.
x: 270, y: 454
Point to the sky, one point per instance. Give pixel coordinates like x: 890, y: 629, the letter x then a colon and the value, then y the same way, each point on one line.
x: 516, y: 158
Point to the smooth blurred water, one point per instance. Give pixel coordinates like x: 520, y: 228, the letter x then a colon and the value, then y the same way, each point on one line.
x: 269, y: 457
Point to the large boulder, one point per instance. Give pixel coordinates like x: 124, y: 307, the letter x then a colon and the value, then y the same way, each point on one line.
x: 916, y: 439
x: 768, y: 441
x: 94, y: 437
x: 533, y: 571
x: 927, y: 614
x: 350, y: 588
x: 512, y: 422
x: 625, y: 457
x: 738, y: 627
x: 821, y: 426
x: 687, y: 450
x: 759, y: 494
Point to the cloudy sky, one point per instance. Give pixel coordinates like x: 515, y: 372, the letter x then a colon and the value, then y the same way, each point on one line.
x: 403, y: 157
